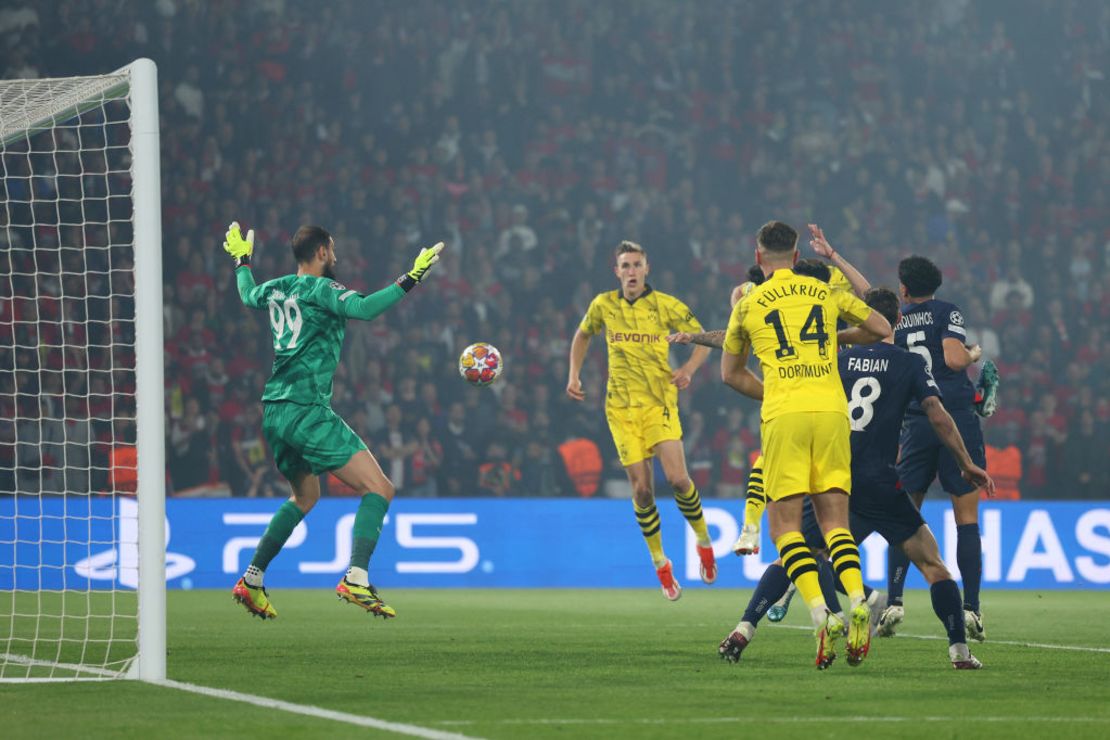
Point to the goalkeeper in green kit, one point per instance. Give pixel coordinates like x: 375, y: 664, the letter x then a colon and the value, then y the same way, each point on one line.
x: 308, y: 317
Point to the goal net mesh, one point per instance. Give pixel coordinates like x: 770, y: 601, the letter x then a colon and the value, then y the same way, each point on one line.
x: 68, y: 517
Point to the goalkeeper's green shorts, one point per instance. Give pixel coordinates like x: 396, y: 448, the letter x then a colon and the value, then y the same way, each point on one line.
x: 307, y: 439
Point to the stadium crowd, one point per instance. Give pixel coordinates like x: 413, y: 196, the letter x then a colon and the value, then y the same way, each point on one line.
x: 534, y: 136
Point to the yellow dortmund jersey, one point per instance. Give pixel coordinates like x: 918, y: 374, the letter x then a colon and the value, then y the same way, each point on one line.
x: 838, y: 280
x: 790, y: 324
x: 635, y: 332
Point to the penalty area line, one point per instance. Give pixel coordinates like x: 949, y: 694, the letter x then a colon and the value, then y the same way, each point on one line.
x: 1015, y: 643
x: 313, y: 711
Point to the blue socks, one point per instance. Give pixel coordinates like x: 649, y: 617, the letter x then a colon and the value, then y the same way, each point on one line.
x: 946, y: 604
x: 770, y: 589
x: 897, y: 566
x: 829, y: 583
x: 969, y: 559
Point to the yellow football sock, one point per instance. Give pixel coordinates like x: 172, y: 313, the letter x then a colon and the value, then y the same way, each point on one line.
x: 648, y: 518
x: 801, y: 567
x: 689, y: 504
x: 845, y: 560
x: 756, y: 500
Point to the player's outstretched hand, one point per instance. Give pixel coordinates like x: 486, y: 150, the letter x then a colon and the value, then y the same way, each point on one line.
x: 819, y: 243
x: 424, y: 262
x: 681, y: 337
x: 574, y: 389
x: 976, y: 352
x: 680, y: 376
x: 239, y: 248
x: 978, y: 477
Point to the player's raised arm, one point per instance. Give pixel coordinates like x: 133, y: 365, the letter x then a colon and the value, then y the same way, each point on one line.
x: 860, y: 284
x: 352, y: 305
x: 949, y: 435
x: 241, y: 249
x: 868, y: 326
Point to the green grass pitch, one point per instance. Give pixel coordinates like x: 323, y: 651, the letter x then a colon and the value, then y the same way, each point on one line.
x: 590, y: 664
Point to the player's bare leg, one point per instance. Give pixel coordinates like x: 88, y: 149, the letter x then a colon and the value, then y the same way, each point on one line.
x: 673, y: 459
x: 363, y: 473
x: 831, y: 508
x: 249, y: 590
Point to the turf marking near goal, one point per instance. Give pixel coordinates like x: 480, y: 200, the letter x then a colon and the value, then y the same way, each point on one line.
x: 313, y: 711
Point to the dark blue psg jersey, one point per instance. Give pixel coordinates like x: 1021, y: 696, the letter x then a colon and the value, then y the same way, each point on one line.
x: 880, y: 381
x: 922, y: 330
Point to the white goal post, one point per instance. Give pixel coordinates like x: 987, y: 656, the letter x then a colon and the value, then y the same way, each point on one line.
x: 82, y: 456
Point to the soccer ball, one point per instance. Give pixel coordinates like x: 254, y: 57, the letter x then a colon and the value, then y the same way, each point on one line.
x: 480, y: 364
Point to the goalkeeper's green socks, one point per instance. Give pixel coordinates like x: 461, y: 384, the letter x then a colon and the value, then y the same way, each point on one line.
x: 281, y: 526
x: 367, y: 529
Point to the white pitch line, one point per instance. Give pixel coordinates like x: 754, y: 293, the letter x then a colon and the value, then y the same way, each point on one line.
x: 1017, y: 643
x: 98, y: 674
x: 313, y: 711
x: 779, y: 720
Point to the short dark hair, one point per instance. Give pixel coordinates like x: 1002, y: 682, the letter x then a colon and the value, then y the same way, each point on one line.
x: 307, y: 240
x: 920, y: 276
x: 629, y: 246
x: 814, y: 269
x: 885, y: 302
x: 775, y: 236
x: 755, y: 275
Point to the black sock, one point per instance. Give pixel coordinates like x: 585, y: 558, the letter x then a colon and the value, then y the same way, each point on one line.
x: 969, y: 559
x: 829, y: 582
x: 897, y: 565
x: 946, y: 604
x: 770, y: 589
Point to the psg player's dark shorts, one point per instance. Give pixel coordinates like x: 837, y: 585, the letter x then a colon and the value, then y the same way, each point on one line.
x: 883, y: 509
x: 924, y: 457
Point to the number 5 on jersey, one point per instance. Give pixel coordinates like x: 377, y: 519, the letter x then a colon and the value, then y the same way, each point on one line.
x: 285, y: 315
x: 913, y: 344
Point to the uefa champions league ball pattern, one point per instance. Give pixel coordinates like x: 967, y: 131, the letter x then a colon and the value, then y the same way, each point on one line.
x: 480, y: 364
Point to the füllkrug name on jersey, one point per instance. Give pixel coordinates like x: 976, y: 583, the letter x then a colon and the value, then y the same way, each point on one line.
x: 771, y: 294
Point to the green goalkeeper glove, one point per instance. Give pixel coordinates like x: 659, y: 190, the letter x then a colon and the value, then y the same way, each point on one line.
x: 420, y: 267
x: 239, y: 248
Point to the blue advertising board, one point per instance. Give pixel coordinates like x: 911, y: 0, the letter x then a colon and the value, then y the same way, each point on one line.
x: 484, y: 543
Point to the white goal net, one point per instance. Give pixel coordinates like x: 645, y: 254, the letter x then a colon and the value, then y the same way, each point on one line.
x: 80, y: 428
